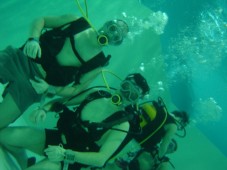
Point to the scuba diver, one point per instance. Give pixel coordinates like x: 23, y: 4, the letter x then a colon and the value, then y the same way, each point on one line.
x: 157, y: 128
x: 86, y: 136
x: 62, y: 56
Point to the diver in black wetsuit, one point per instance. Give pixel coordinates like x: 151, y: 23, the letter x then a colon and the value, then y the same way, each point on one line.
x: 82, y: 137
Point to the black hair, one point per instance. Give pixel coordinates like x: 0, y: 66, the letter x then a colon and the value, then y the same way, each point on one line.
x: 183, y: 115
x: 140, y: 81
x: 181, y: 124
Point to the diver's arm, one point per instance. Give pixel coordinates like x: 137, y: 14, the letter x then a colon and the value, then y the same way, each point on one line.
x: 68, y: 101
x: 85, y: 81
x: 170, y: 130
x: 49, y: 22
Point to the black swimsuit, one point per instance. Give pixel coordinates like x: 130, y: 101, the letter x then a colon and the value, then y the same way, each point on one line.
x: 52, y: 42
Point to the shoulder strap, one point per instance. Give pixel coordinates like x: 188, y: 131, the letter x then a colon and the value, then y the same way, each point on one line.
x: 74, y: 27
x: 97, y: 61
x: 117, y: 118
x: 70, y: 29
x: 72, y: 42
x: 91, y: 97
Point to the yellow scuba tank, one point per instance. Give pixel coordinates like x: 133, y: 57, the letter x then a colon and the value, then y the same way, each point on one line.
x: 148, y: 114
x: 153, y: 116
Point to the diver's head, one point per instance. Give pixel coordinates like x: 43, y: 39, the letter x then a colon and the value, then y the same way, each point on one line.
x: 134, y: 87
x: 182, y: 118
x: 113, y: 32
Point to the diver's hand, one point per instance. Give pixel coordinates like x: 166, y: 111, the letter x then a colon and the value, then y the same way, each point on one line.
x: 55, y: 153
x: 40, y: 85
x: 38, y: 115
x: 32, y: 48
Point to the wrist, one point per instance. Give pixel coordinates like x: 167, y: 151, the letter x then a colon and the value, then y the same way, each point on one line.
x: 33, y: 39
x: 70, y: 156
x: 51, y: 91
x: 43, y: 109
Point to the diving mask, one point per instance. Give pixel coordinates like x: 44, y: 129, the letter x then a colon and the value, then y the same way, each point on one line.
x: 130, y: 91
x: 114, y: 31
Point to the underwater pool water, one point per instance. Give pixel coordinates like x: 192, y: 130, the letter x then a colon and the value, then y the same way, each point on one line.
x: 184, y: 57
x: 195, y: 50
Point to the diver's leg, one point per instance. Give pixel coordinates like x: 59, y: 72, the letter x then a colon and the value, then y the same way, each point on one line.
x: 145, y: 161
x: 17, y: 139
x: 9, y: 111
x: 46, y: 165
x: 6, y: 161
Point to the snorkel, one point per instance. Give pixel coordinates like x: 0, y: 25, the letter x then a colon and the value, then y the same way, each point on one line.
x: 102, y: 39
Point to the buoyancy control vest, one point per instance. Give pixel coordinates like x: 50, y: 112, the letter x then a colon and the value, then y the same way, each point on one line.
x: 84, y: 132
x: 51, y: 43
x: 82, y: 135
